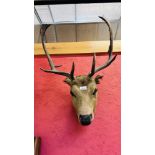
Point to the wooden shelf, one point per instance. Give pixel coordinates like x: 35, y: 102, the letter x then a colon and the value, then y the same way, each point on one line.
x: 77, y: 47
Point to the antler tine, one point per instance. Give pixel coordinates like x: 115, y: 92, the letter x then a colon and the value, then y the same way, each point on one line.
x: 43, y: 30
x: 110, y: 59
x: 72, y: 71
x: 52, y: 66
x: 93, y: 66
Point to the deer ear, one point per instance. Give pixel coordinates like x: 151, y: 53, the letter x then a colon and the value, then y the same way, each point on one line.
x: 68, y: 81
x: 97, y: 79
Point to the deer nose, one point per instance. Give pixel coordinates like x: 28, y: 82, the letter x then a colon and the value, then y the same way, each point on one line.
x: 85, y: 119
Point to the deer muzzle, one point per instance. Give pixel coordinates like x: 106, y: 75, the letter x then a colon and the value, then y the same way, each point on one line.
x: 85, y: 119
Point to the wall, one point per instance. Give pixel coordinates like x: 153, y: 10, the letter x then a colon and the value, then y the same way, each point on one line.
x: 79, y: 32
x: 77, y: 22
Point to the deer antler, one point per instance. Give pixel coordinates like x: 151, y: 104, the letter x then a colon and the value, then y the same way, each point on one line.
x: 52, y: 66
x: 110, y: 58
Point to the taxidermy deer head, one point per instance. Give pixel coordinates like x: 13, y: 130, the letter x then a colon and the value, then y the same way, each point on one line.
x: 83, y: 88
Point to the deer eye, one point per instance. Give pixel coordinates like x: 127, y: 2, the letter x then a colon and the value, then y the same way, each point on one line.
x: 94, y: 92
x: 72, y: 93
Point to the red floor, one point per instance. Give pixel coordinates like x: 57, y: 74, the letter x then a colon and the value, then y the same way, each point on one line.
x: 55, y: 119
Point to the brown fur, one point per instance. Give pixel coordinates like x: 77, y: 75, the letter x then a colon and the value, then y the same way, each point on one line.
x: 84, y: 101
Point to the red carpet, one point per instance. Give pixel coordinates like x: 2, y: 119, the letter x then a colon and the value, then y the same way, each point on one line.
x: 55, y: 119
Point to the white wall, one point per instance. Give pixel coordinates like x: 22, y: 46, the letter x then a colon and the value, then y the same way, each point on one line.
x: 79, y: 13
x: 78, y: 22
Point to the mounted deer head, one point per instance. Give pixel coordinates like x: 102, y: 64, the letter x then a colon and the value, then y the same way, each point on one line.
x: 83, y: 88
